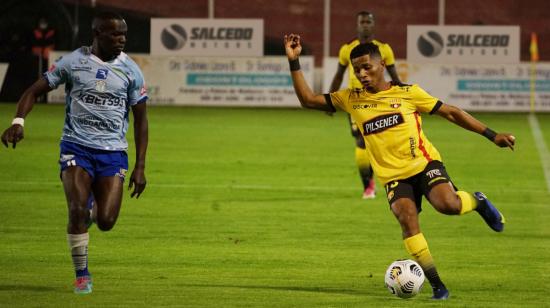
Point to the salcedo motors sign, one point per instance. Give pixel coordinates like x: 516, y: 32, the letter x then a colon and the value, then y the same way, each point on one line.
x: 463, y: 44
x: 207, y: 37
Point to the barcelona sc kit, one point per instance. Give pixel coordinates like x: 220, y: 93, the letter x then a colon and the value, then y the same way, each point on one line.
x: 344, y: 59
x: 391, y: 126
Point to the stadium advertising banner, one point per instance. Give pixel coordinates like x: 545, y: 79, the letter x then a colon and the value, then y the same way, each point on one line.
x: 463, y: 44
x: 489, y: 87
x: 207, y: 37
x: 215, y: 81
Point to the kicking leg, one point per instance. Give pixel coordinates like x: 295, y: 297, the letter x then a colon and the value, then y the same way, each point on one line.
x: 448, y: 201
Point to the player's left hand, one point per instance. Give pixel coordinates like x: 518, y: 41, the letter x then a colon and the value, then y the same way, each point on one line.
x: 137, y: 180
x: 505, y: 140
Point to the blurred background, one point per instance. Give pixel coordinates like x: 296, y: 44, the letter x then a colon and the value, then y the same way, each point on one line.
x: 29, y: 30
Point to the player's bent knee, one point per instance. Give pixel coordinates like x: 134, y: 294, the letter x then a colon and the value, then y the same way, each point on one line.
x: 106, y: 223
x: 448, y: 204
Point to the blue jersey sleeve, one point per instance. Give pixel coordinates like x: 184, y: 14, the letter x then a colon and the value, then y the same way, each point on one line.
x: 59, y: 73
x: 137, y: 92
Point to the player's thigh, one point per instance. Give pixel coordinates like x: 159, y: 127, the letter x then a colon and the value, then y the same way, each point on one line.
x: 77, y: 184
x: 439, y: 189
x: 108, y: 194
x: 444, y: 198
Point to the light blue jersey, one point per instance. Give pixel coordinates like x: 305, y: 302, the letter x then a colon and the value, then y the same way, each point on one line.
x: 98, y: 97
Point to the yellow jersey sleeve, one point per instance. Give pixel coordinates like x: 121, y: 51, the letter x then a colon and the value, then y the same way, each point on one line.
x: 423, y: 101
x: 339, y: 99
x: 387, y: 54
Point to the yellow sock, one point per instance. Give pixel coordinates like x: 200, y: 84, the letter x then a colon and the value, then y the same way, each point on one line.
x: 418, y: 248
x: 362, y: 159
x: 468, y: 202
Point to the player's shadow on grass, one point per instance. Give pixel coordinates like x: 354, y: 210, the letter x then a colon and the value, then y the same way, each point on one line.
x: 283, y: 288
x: 18, y: 287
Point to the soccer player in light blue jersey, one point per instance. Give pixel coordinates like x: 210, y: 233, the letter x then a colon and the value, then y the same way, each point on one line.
x: 102, y: 84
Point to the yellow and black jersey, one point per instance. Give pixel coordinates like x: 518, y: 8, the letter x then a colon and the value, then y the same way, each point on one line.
x: 391, y: 126
x: 344, y: 59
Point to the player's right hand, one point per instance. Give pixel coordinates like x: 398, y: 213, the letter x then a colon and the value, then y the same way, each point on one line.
x: 505, y: 140
x: 293, y: 47
x: 13, y: 135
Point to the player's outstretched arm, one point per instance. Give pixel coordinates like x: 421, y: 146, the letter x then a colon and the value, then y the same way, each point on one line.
x: 141, y: 139
x: 465, y: 120
x: 307, y: 98
x: 15, y: 132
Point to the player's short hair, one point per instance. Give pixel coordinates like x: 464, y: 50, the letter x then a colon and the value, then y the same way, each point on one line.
x: 102, y: 16
x: 365, y: 49
x: 365, y: 13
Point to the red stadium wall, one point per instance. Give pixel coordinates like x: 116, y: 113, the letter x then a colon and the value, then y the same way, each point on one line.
x: 392, y: 17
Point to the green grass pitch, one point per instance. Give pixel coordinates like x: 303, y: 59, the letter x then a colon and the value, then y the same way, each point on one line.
x: 262, y: 208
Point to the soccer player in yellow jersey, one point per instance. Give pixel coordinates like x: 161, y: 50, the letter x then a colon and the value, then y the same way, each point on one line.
x: 402, y: 157
x: 365, y: 31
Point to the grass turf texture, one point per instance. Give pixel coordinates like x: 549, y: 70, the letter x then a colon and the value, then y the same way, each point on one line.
x: 262, y: 208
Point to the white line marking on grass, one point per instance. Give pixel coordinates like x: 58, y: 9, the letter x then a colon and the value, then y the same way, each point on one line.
x: 541, y: 147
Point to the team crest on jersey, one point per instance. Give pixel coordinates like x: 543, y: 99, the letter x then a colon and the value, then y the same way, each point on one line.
x: 83, y: 61
x: 395, y: 103
x: 101, y: 73
x: 100, y: 85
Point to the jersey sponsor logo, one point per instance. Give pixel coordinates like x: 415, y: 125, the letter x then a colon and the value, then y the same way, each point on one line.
x: 412, y: 145
x: 432, y: 173
x: 381, y: 123
x: 104, y: 100
x: 365, y: 106
x: 101, y: 73
x: 97, y: 122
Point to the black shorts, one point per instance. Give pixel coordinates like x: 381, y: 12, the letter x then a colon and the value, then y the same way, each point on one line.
x: 419, y: 184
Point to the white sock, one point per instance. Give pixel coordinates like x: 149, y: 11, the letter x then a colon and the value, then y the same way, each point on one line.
x: 78, y: 243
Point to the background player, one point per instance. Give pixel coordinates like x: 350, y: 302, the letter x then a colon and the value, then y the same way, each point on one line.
x: 102, y: 83
x: 401, y: 155
x: 365, y: 34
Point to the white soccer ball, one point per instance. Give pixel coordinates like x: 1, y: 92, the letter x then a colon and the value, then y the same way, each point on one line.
x: 404, y: 278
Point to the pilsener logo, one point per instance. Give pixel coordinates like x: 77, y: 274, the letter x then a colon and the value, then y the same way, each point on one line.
x: 381, y: 123
x: 430, y: 44
x: 173, y: 37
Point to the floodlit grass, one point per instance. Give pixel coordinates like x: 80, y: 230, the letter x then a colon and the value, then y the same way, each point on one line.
x: 262, y: 208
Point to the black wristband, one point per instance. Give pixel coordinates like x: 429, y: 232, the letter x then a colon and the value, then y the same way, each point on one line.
x: 489, y: 134
x: 294, y: 64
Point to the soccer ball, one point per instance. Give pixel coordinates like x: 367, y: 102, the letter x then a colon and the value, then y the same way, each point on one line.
x: 404, y: 278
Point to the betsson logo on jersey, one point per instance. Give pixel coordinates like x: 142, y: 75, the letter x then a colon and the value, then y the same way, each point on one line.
x: 207, y: 37
x: 381, y: 123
